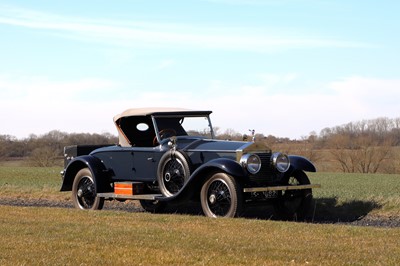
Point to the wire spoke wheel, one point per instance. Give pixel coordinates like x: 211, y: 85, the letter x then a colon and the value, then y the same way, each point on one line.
x: 220, y: 196
x: 84, y: 192
x: 173, y: 171
x: 294, y: 204
x: 174, y: 175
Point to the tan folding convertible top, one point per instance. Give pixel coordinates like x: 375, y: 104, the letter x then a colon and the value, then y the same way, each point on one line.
x: 137, y: 112
x: 148, y: 111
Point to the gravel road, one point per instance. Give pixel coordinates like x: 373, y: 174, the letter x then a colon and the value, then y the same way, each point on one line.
x: 134, y: 206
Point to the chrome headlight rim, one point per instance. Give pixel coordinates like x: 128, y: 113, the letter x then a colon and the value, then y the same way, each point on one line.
x: 251, y: 162
x: 280, y: 161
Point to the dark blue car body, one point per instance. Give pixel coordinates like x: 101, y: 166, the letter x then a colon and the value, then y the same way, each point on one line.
x: 158, y: 161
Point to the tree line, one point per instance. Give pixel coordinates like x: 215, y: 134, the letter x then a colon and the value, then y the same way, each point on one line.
x: 367, y: 146
x: 47, y: 149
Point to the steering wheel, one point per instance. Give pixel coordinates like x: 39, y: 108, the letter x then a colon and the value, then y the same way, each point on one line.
x: 165, y: 133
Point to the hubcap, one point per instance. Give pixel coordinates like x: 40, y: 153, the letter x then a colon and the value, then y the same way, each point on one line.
x: 212, y: 199
x: 167, y: 177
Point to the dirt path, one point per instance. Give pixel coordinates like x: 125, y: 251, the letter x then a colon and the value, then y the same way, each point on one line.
x: 134, y: 206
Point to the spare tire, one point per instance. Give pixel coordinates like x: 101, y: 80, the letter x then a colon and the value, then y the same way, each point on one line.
x: 172, y: 173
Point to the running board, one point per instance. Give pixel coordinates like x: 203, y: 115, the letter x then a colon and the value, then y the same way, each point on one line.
x: 262, y: 189
x: 131, y: 197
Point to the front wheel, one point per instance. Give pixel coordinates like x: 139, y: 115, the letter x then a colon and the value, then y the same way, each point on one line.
x: 221, y: 196
x: 84, y: 192
x: 294, y: 204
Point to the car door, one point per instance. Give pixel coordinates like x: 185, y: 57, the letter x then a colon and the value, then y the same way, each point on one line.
x: 144, y: 164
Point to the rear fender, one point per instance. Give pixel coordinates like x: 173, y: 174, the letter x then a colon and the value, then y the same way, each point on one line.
x: 301, y: 163
x: 99, y: 172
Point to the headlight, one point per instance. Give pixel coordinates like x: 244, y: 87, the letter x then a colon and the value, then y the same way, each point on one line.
x: 251, y: 162
x: 280, y: 161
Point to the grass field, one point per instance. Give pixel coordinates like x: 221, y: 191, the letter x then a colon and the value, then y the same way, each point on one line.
x: 31, y: 182
x: 59, y: 236
x: 53, y: 236
x: 349, y: 196
x: 346, y: 196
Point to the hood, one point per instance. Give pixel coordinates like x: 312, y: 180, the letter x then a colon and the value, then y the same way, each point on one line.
x: 240, y: 147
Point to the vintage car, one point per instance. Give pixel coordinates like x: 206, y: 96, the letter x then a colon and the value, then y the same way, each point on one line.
x: 170, y: 155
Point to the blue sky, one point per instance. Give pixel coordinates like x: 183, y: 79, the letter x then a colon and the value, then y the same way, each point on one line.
x: 285, y: 68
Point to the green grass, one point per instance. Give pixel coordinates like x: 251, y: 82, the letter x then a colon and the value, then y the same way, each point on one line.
x: 53, y: 236
x: 342, y: 196
x: 31, y: 182
x: 56, y: 236
x: 348, y: 196
x: 355, y: 185
x: 30, y: 177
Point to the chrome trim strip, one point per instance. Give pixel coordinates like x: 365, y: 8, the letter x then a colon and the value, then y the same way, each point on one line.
x: 240, y: 150
x: 133, y: 197
x: 261, y: 189
x: 251, y: 147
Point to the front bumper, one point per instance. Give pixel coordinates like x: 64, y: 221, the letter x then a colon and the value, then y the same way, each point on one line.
x: 280, y: 188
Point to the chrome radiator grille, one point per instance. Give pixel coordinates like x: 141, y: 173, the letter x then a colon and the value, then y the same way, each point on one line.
x: 266, y: 174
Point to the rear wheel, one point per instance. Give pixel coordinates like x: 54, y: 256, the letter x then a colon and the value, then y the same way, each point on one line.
x: 294, y: 204
x: 221, y: 196
x: 84, y: 192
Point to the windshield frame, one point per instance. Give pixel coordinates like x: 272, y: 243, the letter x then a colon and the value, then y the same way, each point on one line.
x: 180, y: 116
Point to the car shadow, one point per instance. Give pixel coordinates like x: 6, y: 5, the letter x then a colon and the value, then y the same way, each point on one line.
x: 331, y: 210
x: 325, y: 210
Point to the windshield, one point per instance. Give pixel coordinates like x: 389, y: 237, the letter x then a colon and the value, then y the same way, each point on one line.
x: 186, y: 126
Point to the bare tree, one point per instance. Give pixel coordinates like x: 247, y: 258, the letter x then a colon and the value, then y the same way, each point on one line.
x: 230, y: 134
x: 362, y: 154
x: 44, y: 157
x: 340, y: 152
x: 370, y: 155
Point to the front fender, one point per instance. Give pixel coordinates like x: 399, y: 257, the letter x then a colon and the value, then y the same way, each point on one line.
x: 301, y: 163
x: 192, y: 187
x: 96, y: 167
x: 226, y: 165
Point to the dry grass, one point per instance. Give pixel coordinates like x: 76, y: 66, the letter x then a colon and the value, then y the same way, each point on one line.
x: 52, y: 236
x: 55, y: 236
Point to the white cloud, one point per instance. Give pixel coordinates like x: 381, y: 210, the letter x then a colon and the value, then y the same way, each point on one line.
x: 40, y: 89
x: 173, y: 36
x: 67, y: 106
x: 38, y: 105
x: 271, y: 80
x: 165, y: 64
x: 291, y: 115
x: 368, y: 89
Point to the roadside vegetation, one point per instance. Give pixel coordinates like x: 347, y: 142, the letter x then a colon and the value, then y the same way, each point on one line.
x: 342, y: 197
x: 368, y: 146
